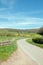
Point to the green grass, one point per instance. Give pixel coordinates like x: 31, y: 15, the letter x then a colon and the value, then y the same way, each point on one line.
x: 37, y: 44
x: 2, y: 38
x: 5, y: 51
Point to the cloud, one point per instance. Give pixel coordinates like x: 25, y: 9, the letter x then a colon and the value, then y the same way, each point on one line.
x: 3, y: 9
x: 11, y: 3
x: 8, y: 3
x: 14, y: 21
x: 30, y: 13
x: 4, y: 1
x: 26, y: 23
x: 21, y: 18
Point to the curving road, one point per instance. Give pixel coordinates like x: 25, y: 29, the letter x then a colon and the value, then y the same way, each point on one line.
x: 35, y: 53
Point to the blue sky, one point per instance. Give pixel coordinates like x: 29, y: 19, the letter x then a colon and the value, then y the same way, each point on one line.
x: 21, y: 14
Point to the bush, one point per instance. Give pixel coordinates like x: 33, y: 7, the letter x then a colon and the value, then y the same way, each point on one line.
x: 38, y: 40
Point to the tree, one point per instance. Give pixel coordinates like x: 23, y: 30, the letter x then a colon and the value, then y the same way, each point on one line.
x: 40, y: 31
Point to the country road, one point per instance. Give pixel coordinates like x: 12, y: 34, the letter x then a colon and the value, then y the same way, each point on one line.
x: 35, y: 53
x: 18, y: 57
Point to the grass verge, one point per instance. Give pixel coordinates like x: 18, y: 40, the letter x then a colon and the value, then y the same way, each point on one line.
x: 2, y: 38
x: 6, y: 51
x: 37, y: 44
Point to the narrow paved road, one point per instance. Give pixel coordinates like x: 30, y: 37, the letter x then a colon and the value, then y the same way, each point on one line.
x: 18, y: 57
x: 34, y: 52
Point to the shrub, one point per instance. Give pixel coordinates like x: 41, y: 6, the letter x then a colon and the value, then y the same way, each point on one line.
x: 38, y: 40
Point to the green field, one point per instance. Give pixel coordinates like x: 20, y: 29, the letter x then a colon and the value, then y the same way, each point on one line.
x: 2, y: 38
x: 5, y: 51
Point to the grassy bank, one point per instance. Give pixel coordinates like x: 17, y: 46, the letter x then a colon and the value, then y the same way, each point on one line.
x: 37, y: 44
x: 2, y: 38
x: 6, y: 51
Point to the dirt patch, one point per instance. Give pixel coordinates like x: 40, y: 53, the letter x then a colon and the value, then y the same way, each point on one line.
x: 18, y: 58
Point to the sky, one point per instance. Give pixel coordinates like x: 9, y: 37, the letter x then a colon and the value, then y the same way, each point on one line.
x: 21, y: 14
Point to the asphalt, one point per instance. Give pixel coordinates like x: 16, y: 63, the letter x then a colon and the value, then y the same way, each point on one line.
x: 35, y: 53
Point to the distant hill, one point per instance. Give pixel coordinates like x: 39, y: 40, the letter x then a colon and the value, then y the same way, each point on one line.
x: 18, y: 30
x: 13, y: 32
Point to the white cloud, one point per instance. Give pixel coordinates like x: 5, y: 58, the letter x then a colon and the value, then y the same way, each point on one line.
x: 30, y: 12
x: 3, y: 9
x: 8, y: 3
x: 4, y: 1
x: 20, y: 21
x: 11, y: 3
x: 26, y: 23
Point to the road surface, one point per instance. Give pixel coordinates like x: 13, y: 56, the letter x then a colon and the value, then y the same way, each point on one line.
x: 35, y: 53
x: 18, y: 57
